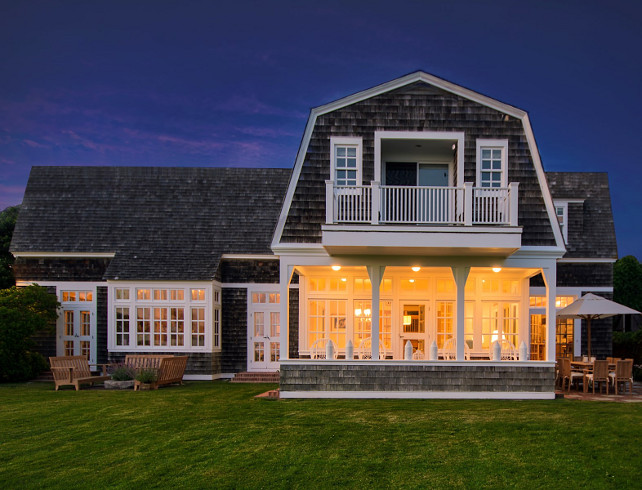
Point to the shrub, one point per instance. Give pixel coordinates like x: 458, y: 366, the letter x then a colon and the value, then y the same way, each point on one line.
x: 146, y: 376
x: 23, y: 312
x: 122, y: 372
x: 628, y: 345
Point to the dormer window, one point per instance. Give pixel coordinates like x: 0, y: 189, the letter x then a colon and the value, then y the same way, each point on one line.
x: 491, y: 163
x: 346, y: 161
x: 561, y: 211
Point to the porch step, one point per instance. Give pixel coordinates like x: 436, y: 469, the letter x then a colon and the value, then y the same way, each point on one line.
x: 256, y: 377
x: 269, y: 395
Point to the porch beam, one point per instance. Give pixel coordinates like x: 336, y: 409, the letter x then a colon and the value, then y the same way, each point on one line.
x: 285, y: 275
x: 460, y: 274
x: 375, y: 273
x: 550, y: 280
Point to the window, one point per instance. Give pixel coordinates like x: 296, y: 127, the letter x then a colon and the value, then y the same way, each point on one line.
x: 499, y: 322
x: 198, y: 326
x: 445, y: 321
x: 491, y: 163
x: 122, y: 326
x: 327, y: 319
x: 561, y: 211
x: 77, y: 297
x: 346, y: 161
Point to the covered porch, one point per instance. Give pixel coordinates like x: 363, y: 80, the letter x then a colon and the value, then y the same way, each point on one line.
x: 441, y: 331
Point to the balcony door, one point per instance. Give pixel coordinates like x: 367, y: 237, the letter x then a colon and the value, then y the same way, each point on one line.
x: 417, y: 174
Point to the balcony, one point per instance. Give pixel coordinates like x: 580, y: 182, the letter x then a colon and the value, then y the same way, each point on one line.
x: 421, y: 220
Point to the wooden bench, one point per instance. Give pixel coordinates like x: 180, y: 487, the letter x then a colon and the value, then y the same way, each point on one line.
x: 169, y: 369
x: 74, y: 371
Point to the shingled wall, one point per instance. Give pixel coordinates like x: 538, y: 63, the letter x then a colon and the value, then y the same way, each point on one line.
x: 416, y: 107
x: 56, y: 269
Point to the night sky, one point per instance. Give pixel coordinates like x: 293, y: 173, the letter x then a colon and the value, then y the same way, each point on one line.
x: 191, y: 83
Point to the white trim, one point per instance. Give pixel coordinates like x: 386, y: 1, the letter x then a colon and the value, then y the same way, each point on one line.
x: 424, y: 395
x: 459, y: 136
x: 541, y: 177
x: 248, y: 257
x: 585, y: 261
x: 249, y: 285
x: 81, y: 255
x: 426, y: 78
x: 440, y: 363
x: 346, y: 141
x: 571, y: 290
x: 492, y: 145
x: 199, y: 377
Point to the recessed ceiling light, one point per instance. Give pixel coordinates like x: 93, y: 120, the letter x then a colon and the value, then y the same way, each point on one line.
x: 416, y: 268
x: 336, y: 267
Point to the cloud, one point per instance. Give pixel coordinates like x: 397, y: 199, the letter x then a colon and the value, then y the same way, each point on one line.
x: 34, y: 144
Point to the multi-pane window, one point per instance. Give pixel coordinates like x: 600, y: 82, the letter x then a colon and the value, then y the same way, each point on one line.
x: 165, y: 317
x: 491, y: 163
x: 445, y: 322
x: 77, y: 296
x: 499, y: 323
x: 561, y: 212
x: 122, y: 326
x: 327, y: 320
x: 266, y: 298
x: 345, y: 164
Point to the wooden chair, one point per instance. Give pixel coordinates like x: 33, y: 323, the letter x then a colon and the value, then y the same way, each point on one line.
x: 623, y: 374
x: 75, y: 371
x: 317, y: 351
x: 600, y: 374
x: 170, y: 370
x: 566, y: 374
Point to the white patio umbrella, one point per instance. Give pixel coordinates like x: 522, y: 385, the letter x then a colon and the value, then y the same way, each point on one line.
x: 591, y: 307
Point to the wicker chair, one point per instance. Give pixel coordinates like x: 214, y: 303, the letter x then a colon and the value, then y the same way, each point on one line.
x: 623, y: 374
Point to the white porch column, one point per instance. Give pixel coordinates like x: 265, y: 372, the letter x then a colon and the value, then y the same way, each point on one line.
x: 460, y: 274
x: 550, y: 279
x: 329, y: 202
x: 375, y: 273
x: 285, y: 274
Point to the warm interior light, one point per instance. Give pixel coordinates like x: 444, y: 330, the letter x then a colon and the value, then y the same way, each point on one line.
x: 344, y: 279
x: 558, y: 303
x: 416, y: 268
x: 407, y: 319
x: 357, y: 312
x: 411, y: 280
x: 366, y: 312
x: 497, y: 269
x: 336, y: 267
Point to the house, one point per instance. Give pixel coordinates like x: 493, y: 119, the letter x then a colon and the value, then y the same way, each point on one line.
x: 419, y: 195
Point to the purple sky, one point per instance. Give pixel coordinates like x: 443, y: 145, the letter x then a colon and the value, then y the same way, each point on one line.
x: 202, y: 83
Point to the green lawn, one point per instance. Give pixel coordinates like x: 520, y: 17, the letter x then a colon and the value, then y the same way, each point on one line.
x: 208, y: 434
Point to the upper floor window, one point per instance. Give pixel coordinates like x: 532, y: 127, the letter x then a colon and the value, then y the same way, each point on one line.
x: 346, y: 160
x: 491, y: 163
x: 561, y: 211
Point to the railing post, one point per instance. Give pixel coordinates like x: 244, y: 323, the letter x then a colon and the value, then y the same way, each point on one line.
x: 513, y: 202
x: 375, y: 197
x: 329, y: 202
x: 468, y: 203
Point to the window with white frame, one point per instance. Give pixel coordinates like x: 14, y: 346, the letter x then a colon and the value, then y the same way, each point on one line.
x: 178, y: 318
x: 346, y: 161
x: 561, y: 212
x: 492, y: 169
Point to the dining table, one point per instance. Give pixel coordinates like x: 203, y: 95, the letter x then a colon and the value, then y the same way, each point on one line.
x: 586, y: 367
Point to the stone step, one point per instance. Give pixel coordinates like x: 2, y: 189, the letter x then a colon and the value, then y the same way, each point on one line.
x: 269, y: 395
x: 247, y: 377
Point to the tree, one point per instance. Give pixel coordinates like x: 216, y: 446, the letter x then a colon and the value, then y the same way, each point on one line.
x: 627, y: 283
x: 23, y: 312
x: 7, y: 224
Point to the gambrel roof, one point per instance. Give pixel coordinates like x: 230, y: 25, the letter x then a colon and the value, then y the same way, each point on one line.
x: 160, y: 223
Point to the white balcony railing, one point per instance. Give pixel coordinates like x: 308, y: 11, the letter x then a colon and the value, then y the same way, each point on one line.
x: 377, y: 204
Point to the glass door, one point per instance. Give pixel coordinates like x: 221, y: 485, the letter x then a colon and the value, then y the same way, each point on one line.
x: 264, y: 330
x: 413, y: 328
x: 75, y: 333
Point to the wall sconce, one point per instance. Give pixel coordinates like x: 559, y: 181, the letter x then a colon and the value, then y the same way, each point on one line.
x: 407, y: 319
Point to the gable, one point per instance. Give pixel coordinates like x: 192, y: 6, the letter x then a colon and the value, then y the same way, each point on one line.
x: 412, y: 104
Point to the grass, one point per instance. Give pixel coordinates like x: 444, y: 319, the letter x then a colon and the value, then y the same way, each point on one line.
x: 208, y: 434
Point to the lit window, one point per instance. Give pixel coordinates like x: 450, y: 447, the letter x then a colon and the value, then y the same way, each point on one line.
x: 122, y: 294
x: 198, y: 295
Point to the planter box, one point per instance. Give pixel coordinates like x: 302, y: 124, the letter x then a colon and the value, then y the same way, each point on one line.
x: 119, y: 385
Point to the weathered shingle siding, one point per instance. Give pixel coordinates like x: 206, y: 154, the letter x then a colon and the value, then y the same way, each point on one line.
x: 591, y: 230
x: 580, y: 275
x: 56, y: 269
x: 101, y: 325
x: 250, y: 271
x: 234, y: 330
x: 417, y: 107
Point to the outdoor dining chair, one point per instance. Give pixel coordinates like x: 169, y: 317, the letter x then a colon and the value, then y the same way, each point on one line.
x: 600, y: 374
x: 623, y: 374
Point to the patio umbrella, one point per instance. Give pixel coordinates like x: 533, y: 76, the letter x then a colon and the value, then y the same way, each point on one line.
x: 591, y: 307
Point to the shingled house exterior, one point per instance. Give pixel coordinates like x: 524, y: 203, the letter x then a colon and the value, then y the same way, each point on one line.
x: 418, y: 195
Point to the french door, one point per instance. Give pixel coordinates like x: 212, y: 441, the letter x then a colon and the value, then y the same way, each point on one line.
x: 264, y: 330
x: 76, y: 326
x: 414, y: 328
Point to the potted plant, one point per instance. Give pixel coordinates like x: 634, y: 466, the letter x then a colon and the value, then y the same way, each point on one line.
x: 122, y: 377
x: 146, y: 379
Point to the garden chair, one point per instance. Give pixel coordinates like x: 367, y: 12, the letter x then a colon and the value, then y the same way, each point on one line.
x: 74, y: 371
x: 566, y: 374
x: 600, y: 374
x: 623, y: 374
x: 364, y: 351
